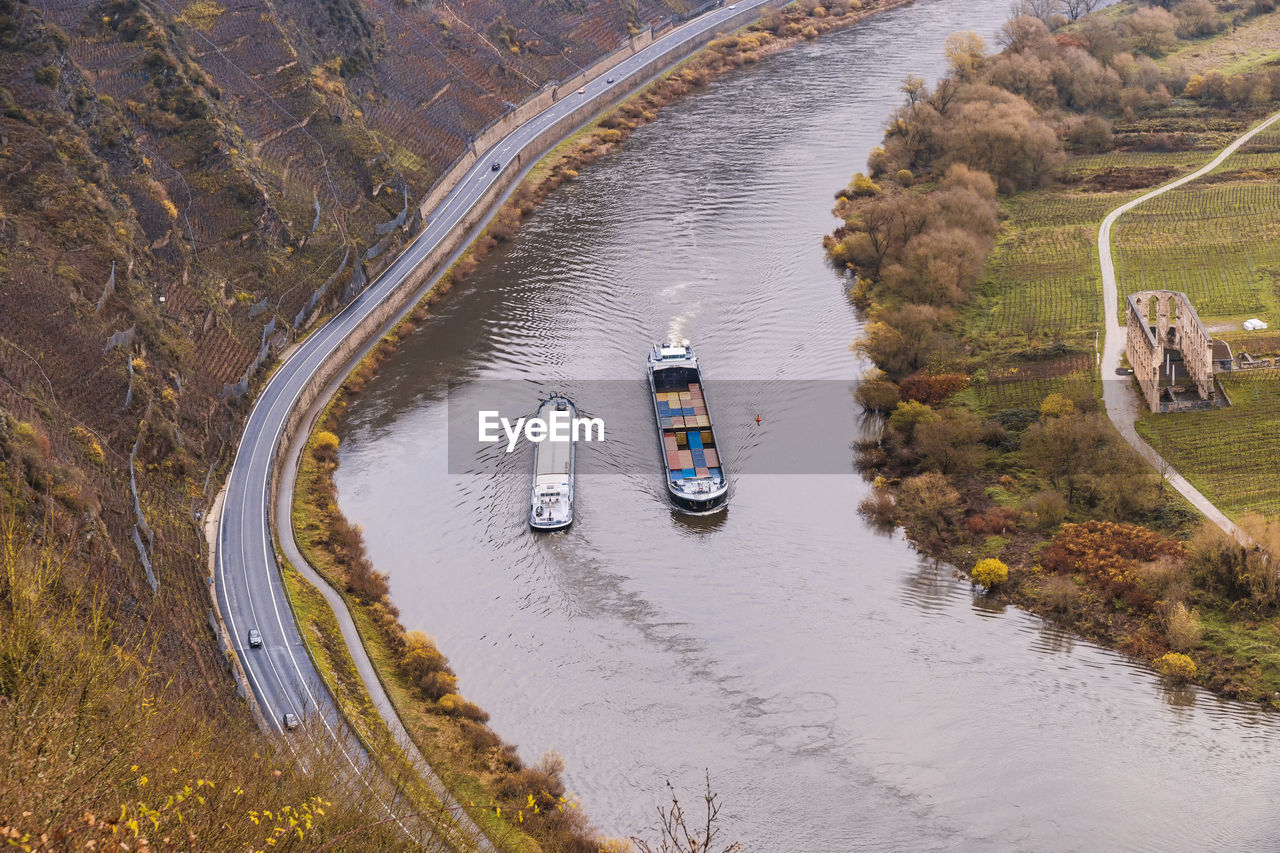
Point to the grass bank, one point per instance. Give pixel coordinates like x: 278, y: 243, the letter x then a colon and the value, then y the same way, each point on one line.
x: 977, y: 257
x: 519, y: 808
x: 421, y: 809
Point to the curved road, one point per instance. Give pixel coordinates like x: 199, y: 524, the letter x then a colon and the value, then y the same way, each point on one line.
x: 249, y: 586
x: 1123, y: 405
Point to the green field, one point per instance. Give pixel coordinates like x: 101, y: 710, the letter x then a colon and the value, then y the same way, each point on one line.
x: 1216, y: 239
x: 1041, y: 286
x: 1229, y: 454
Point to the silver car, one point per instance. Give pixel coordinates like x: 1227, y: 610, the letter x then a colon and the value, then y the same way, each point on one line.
x: 291, y: 721
x: 255, y: 638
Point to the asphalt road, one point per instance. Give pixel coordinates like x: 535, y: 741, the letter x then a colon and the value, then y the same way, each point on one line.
x: 249, y: 585
x: 1123, y: 404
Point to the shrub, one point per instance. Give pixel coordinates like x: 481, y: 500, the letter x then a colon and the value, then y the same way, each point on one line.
x: 1183, y: 628
x: 1056, y: 405
x: 876, y: 393
x: 1090, y: 135
x: 1109, y: 554
x: 48, y: 76
x: 426, y: 668
x: 1176, y: 666
x: 929, y: 508
x: 990, y: 573
x: 998, y: 520
x: 861, y: 186
x: 932, y: 388
x: 907, y: 415
x: 92, y: 449
x: 879, y: 508
x: 1060, y: 594
x: 324, y: 446
x: 1049, y: 507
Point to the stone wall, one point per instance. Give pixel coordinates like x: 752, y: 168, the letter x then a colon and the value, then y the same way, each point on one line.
x: 1175, y: 327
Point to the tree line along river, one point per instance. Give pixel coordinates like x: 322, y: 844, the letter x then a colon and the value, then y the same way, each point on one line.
x: 843, y: 693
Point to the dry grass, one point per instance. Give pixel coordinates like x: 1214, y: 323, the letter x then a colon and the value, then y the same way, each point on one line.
x: 103, y: 748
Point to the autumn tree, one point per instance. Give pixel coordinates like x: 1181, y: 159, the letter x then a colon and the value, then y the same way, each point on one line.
x: 950, y: 443
x: 902, y: 340
x: 1067, y: 449
x: 1002, y: 135
x: 426, y: 668
x: 1152, y: 30
x: 876, y: 393
x: 965, y: 52
x: 908, y: 415
x: 1197, y: 18
x: 929, y: 508
x: 1076, y: 9
x: 1023, y: 33
x: 1043, y: 10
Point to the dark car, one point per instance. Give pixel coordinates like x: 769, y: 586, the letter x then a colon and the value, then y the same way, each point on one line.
x: 497, y: 167
x: 255, y: 638
x: 291, y: 721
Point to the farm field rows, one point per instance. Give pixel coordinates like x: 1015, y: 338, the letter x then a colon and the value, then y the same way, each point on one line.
x: 1217, y: 239
x: 1229, y: 454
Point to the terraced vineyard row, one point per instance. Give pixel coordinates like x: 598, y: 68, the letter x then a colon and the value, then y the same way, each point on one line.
x: 1218, y: 242
x: 1229, y: 454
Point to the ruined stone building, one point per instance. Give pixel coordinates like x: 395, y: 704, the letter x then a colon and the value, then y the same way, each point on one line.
x: 1170, y: 351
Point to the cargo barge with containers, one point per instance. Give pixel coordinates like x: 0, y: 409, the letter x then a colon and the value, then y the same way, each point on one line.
x: 551, y: 501
x: 692, y: 467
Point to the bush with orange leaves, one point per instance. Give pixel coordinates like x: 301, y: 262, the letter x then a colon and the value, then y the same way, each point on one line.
x: 932, y: 388
x: 1108, y: 553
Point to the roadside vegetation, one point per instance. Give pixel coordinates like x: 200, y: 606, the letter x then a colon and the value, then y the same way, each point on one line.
x: 105, y: 751
x: 972, y: 239
x: 520, y: 807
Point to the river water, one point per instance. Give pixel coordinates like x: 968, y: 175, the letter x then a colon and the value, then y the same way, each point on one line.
x: 843, y: 693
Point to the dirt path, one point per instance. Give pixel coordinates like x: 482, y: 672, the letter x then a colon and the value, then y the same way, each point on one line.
x: 1121, y: 401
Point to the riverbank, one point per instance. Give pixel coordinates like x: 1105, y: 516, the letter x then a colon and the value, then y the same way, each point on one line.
x: 995, y: 450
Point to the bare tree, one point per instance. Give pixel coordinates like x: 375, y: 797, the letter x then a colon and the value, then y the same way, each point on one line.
x: 678, y: 836
x: 913, y: 86
x: 1077, y: 9
x: 1042, y: 9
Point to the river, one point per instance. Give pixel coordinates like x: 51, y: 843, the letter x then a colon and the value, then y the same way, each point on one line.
x: 842, y: 692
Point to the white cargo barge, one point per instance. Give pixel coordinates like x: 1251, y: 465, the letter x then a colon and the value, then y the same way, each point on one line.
x: 551, y: 502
